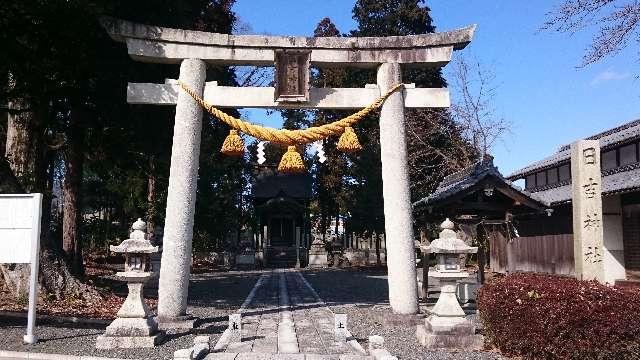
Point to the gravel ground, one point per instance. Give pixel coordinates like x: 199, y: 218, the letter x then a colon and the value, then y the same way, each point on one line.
x: 211, y: 298
x: 363, y: 296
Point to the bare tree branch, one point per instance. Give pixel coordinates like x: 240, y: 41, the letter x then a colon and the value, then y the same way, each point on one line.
x: 473, y: 109
x: 617, y: 20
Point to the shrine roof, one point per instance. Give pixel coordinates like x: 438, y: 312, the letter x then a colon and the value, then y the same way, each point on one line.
x: 296, y: 186
x: 119, y: 30
x: 608, y: 139
x: 466, y: 180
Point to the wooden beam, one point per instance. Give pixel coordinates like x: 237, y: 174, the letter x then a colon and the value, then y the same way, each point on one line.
x: 263, y: 97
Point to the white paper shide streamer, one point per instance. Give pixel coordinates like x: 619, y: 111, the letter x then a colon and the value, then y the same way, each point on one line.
x: 261, y: 158
x: 320, y: 151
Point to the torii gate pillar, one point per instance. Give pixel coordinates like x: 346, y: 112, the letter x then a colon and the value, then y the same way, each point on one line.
x: 401, y: 262
x: 181, y: 201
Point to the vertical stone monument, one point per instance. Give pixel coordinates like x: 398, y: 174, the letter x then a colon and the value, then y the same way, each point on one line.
x: 447, y: 327
x: 586, y: 193
x: 317, y: 253
x: 135, y: 326
x: 246, y: 256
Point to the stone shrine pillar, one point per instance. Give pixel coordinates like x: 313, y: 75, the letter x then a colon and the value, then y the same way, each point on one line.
x: 401, y: 262
x: 181, y: 200
x: 586, y: 193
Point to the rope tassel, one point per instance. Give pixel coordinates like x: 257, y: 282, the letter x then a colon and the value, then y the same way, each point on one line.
x: 233, y: 144
x: 348, y: 141
x: 291, y: 161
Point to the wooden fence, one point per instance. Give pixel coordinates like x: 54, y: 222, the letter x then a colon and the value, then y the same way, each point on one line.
x: 551, y: 254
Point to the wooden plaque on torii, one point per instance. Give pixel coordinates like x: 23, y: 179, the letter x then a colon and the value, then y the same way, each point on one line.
x: 292, y: 75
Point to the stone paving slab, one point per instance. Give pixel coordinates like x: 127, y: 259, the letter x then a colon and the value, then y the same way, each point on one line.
x: 286, y: 320
x: 261, y: 356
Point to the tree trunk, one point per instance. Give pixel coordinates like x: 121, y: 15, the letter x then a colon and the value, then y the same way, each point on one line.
x: 8, y: 182
x: 323, y: 226
x: 24, y: 146
x: 23, y: 169
x: 22, y: 154
x: 73, y: 156
x: 425, y: 275
x: 424, y: 239
x: 482, y: 240
x: 378, y: 262
x: 151, y: 196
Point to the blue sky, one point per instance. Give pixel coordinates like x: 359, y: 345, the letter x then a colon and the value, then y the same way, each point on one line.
x: 541, y: 91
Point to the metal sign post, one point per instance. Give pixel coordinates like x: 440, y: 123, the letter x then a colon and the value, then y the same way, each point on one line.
x: 20, y: 216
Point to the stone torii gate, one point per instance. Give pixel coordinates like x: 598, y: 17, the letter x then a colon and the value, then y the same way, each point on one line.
x: 292, y: 56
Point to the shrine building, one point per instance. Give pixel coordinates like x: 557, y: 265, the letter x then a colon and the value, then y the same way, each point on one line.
x: 281, y: 202
x: 531, y: 229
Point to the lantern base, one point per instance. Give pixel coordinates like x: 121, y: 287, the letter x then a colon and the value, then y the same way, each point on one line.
x: 449, y: 333
x: 126, y: 342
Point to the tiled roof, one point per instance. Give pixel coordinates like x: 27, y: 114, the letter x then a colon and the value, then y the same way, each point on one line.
x: 608, y: 139
x: 611, y: 184
x: 468, y: 177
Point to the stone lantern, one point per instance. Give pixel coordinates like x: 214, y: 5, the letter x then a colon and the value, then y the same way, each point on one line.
x: 447, y: 326
x: 134, y: 326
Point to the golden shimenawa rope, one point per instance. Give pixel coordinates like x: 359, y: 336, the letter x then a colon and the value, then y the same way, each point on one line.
x: 290, y: 137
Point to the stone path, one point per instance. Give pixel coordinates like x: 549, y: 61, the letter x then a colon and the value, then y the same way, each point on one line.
x: 283, y: 318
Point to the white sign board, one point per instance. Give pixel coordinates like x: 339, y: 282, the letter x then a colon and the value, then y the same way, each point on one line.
x: 16, y: 227
x: 20, y: 242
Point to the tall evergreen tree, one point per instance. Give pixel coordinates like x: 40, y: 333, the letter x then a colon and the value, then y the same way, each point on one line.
x: 432, y: 135
x: 65, y: 83
x: 330, y: 190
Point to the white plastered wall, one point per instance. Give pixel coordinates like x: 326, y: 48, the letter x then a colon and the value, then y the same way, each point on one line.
x: 613, y: 241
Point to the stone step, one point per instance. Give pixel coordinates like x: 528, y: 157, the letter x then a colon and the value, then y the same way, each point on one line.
x: 282, y: 356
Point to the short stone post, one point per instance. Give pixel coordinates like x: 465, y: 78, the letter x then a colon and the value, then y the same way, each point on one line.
x: 401, y: 263
x: 181, y: 200
x: 586, y: 191
x: 135, y: 326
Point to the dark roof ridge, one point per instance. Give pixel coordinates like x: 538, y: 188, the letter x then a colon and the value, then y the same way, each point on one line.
x: 467, y: 177
x: 608, y: 139
x: 475, y: 168
x: 605, y: 133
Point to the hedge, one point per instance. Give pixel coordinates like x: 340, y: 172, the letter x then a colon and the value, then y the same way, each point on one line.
x: 550, y: 317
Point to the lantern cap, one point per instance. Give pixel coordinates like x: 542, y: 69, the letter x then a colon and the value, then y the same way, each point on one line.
x: 139, y: 225
x: 134, y: 246
x: 138, y: 241
x: 448, y: 242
